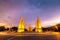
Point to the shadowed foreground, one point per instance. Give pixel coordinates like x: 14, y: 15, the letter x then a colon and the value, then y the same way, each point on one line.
x: 29, y: 36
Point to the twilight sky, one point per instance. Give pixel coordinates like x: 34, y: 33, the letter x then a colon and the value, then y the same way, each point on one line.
x: 47, y: 10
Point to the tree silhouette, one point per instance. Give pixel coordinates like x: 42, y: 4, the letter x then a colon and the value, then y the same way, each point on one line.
x: 14, y: 29
x: 34, y: 29
x: 2, y: 28
x: 25, y: 30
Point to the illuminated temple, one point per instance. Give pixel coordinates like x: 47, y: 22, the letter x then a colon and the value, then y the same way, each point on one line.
x: 38, y: 27
x: 21, y: 25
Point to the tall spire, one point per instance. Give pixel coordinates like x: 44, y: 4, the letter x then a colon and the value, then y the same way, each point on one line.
x: 21, y: 25
x: 38, y: 25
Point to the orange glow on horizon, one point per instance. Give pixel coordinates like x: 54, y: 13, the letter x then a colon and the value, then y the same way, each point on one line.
x: 5, y: 25
x: 51, y: 22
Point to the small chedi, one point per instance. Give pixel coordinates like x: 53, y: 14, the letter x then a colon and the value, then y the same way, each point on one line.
x: 29, y: 28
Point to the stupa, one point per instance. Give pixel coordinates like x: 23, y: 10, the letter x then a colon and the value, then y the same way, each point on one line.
x: 29, y: 28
